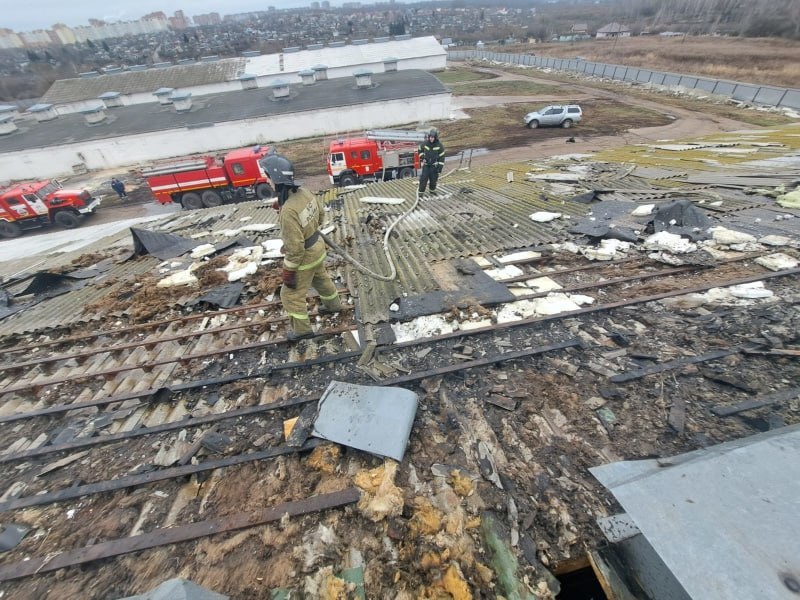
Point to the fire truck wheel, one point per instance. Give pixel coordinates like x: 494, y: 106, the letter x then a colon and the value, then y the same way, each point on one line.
x: 9, y: 229
x: 192, y: 201
x: 67, y: 220
x: 263, y: 191
x: 407, y: 172
x: 211, y: 199
x: 347, y: 179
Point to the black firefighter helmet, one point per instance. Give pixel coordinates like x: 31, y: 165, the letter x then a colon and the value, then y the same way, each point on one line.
x: 279, y: 169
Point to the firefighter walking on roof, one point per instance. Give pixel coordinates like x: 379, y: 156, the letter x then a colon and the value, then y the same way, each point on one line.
x: 431, y: 157
x: 301, y: 214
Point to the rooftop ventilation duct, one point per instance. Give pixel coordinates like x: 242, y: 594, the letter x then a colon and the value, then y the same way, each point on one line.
x: 280, y: 89
x: 390, y: 64
x: 363, y: 79
x: 9, y: 110
x: 399, y: 38
x: 315, y: 47
x: 249, y: 82
x: 162, y: 65
x: 251, y: 53
x: 112, y: 70
x: 320, y: 72
x: 291, y: 50
x: 111, y: 99
x: 186, y: 61
x: 163, y: 95
x: 43, y: 112
x: 381, y: 40
x: 88, y: 74
x: 95, y: 114
x: 359, y: 42
x: 307, y: 76
x: 212, y: 58
x: 182, y: 101
x: 7, y: 124
x: 137, y: 68
x: 336, y: 44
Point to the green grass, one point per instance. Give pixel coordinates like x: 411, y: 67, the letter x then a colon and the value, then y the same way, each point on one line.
x: 461, y: 76
x: 507, y: 88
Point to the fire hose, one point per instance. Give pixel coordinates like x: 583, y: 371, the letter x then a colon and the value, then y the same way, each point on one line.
x: 365, y: 270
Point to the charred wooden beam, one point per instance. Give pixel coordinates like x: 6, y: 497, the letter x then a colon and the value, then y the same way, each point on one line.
x: 174, y: 535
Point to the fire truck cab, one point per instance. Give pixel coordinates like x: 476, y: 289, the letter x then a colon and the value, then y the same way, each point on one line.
x: 379, y: 155
x: 38, y: 204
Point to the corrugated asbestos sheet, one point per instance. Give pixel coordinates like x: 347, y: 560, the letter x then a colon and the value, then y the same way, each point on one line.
x: 207, y: 226
x: 479, y: 213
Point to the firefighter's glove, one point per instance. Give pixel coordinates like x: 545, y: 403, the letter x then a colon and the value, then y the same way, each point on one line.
x: 289, y: 279
x: 276, y: 205
x: 439, y: 168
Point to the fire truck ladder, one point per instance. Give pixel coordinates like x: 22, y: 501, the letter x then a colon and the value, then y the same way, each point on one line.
x: 396, y: 135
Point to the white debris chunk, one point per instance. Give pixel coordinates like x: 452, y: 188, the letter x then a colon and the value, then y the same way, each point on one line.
x: 544, y: 216
x: 243, y: 262
x: 581, y: 300
x: 729, y: 237
x: 518, y: 256
x: 423, y: 327
x: 258, y: 227
x: 777, y: 262
x: 775, y: 240
x: 542, y: 284
x: 643, y: 210
x: 750, y: 291
x: 272, y: 248
x: 184, y: 277
x: 203, y: 250
x: 664, y: 240
x: 608, y: 249
x: 507, y: 272
x: 554, y: 304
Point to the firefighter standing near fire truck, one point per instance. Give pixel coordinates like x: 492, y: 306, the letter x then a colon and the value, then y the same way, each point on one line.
x: 301, y: 214
x: 431, y: 156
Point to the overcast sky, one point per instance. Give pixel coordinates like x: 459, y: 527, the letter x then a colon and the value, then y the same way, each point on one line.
x: 26, y: 15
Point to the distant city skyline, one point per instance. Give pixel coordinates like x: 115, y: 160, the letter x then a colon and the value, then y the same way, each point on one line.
x: 43, y: 14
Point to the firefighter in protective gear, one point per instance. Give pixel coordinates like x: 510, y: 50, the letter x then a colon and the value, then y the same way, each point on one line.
x: 431, y: 157
x: 301, y: 214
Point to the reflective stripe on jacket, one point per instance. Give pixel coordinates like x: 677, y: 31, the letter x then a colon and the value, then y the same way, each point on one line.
x: 431, y: 154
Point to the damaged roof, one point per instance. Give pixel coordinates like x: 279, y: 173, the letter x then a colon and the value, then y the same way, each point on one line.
x: 151, y: 436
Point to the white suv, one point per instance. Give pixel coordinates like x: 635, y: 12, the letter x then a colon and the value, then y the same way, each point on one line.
x: 554, y: 116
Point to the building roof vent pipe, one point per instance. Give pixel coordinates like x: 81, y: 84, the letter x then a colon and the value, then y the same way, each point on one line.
x: 363, y: 79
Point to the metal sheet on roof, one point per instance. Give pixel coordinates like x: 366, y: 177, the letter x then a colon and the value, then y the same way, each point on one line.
x: 723, y: 519
x: 375, y: 419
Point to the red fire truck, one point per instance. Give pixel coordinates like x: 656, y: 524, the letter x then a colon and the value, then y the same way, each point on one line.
x: 37, y: 204
x: 377, y: 156
x: 208, y: 181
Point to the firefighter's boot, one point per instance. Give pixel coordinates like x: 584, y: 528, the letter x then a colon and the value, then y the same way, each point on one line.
x: 330, y: 306
x: 300, y: 329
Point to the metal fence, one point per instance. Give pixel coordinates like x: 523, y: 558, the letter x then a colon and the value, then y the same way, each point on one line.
x: 744, y: 92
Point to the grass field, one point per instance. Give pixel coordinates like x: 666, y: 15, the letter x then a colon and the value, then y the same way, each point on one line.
x: 751, y: 60
x: 495, y: 128
x: 730, y: 111
x: 507, y: 88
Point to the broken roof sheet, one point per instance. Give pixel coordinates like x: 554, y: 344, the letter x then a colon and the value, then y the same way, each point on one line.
x: 722, y: 519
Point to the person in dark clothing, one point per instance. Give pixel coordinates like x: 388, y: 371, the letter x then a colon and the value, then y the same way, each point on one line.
x: 431, y: 158
x: 119, y: 187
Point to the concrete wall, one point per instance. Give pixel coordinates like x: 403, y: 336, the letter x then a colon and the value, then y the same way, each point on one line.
x: 140, y: 149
